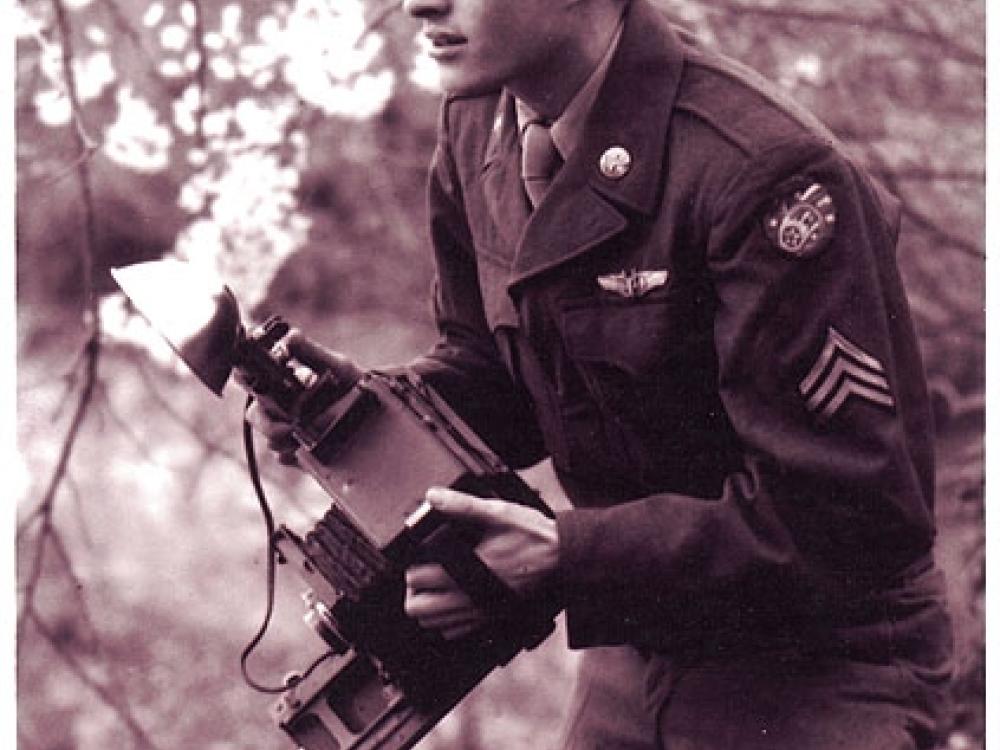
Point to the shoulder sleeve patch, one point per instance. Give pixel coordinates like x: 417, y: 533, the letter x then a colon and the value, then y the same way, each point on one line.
x: 802, y: 220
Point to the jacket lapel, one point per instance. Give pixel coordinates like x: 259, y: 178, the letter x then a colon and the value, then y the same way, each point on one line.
x: 584, y: 208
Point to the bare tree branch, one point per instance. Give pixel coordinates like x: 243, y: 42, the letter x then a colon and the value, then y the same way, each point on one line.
x: 949, y: 46
x: 916, y: 217
x: 35, y: 574
x: 81, y: 517
x: 974, y: 176
x: 125, y: 427
x: 931, y: 25
x: 88, y: 361
x: 381, y: 16
x: 85, y: 143
x: 70, y: 377
x: 122, y: 24
x: 45, y: 507
x: 171, y: 411
x: 48, y: 180
x: 201, y: 74
x: 106, y: 694
x: 115, y: 685
x: 76, y: 584
x: 925, y: 223
x: 210, y: 447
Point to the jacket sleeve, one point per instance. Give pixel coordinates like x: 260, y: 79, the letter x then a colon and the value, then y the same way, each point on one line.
x: 820, y: 377
x: 465, y: 366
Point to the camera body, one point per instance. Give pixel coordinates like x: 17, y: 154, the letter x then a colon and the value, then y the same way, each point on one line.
x: 375, y: 446
x: 375, y: 449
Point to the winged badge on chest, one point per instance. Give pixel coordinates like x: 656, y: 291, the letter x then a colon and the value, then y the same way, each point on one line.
x: 631, y: 284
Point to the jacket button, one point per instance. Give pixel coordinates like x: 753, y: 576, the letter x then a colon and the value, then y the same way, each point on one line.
x: 615, y: 162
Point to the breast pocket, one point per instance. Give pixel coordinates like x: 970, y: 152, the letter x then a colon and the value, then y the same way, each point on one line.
x: 638, y: 337
x: 649, y: 366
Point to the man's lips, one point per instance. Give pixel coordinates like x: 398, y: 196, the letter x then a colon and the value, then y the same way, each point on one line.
x: 441, y: 42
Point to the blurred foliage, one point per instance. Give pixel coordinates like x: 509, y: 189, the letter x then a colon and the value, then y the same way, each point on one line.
x: 284, y: 146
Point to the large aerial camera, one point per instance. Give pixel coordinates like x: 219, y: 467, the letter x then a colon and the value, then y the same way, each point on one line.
x: 375, y: 446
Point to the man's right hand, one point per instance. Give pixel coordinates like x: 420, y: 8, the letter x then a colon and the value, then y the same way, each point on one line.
x: 308, y: 359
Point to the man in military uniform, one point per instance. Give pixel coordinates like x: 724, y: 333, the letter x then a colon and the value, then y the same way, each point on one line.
x: 654, y: 270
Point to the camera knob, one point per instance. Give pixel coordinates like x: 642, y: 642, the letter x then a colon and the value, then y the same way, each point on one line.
x: 319, y: 617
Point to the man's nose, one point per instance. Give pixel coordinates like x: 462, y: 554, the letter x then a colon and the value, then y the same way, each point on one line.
x: 426, y: 8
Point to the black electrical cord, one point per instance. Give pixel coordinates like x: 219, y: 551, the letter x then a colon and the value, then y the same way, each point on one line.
x: 272, y: 558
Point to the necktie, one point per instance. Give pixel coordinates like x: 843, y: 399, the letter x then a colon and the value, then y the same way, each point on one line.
x: 540, y: 159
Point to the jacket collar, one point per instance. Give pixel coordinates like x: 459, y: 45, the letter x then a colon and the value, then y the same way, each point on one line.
x: 633, y: 109
x: 584, y: 207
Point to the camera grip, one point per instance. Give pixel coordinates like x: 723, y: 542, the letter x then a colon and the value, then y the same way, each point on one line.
x: 454, y: 549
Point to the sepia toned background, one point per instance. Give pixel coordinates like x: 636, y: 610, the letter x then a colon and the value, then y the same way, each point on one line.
x: 283, y: 145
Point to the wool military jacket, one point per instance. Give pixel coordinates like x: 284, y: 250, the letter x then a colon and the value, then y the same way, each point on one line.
x: 704, y: 327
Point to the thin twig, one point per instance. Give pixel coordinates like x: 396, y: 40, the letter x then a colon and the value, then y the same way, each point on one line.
x: 123, y: 25
x: 85, y: 143
x: 44, y: 508
x: 41, y: 182
x: 88, y: 362
x: 106, y: 695
x: 81, y: 517
x: 48, y: 498
x: 379, y: 18
x: 210, y: 447
x: 171, y: 411
x: 921, y: 174
x: 116, y: 685
x: 76, y: 584
x: 927, y: 224
x: 47, y: 530
x: 123, y: 426
x: 955, y: 50
x: 69, y: 378
x: 201, y: 73
x: 916, y: 217
x: 34, y: 576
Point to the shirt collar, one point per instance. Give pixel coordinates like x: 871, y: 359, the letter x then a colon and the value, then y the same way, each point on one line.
x: 567, y: 130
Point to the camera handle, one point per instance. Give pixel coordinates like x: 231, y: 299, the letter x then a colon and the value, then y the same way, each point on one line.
x: 446, y: 543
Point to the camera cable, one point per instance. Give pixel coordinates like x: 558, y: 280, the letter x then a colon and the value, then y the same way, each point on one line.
x: 272, y: 559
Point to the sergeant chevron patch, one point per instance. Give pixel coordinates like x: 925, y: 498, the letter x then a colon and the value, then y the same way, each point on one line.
x: 842, y: 370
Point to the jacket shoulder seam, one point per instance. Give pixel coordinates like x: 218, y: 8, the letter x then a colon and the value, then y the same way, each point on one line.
x: 804, y: 123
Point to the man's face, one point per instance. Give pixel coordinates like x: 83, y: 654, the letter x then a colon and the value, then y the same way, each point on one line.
x: 480, y: 45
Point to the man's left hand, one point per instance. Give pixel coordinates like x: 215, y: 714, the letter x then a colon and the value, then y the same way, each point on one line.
x: 520, y: 546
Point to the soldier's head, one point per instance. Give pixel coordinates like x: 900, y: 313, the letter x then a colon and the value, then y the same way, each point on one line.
x: 539, y: 49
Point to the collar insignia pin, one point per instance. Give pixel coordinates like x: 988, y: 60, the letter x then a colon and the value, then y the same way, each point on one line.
x: 632, y: 284
x: 615, y: 162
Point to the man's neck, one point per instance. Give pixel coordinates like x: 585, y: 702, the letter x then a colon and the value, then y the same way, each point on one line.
x: 571, y: 65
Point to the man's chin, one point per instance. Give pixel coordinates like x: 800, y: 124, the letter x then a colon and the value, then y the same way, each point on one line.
x: 461, y: 86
